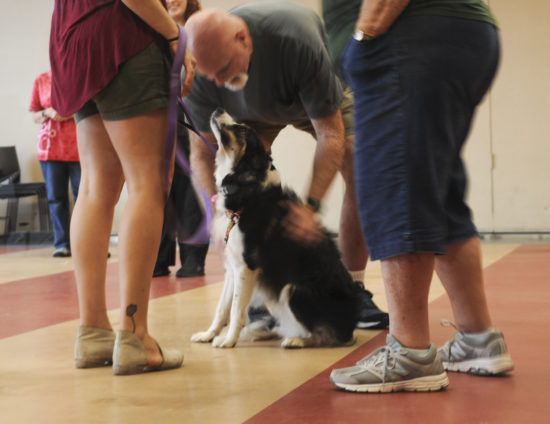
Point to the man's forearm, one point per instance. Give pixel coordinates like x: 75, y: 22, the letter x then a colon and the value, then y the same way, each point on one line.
x: 202, y: 162
x: 328, y: 155
x: 377, y: 16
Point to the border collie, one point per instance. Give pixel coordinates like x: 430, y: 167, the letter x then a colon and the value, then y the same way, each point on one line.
x: 306, y: 287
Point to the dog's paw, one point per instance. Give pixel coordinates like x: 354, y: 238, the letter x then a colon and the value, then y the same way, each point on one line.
x: 258, y: 335
x: 202, y: 337
x: 223, y: 342
x: 293, y: 343
x: 258, y: 330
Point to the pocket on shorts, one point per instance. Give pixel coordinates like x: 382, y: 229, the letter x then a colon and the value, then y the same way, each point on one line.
x: 367, y: 56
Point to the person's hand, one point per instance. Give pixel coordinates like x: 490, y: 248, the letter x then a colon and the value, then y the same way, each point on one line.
x: 189, y: 63
x: 51, y: 113
x: 56, y: 116
x: 301, y: 224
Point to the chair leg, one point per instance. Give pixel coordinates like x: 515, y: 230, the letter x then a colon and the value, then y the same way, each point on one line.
x: 11, y: 217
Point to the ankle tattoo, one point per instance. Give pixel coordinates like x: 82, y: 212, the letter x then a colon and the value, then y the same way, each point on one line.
x: 130, y: 311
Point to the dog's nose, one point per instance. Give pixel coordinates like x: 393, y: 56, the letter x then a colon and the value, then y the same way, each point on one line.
x: 218, y: 112
x: 215, y: 121
x: 220, y: 118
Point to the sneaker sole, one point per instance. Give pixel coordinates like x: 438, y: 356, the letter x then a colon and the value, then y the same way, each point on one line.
x: 374, y: 323
x: 483, y: 366
x: 377, y: 325
x: 430, y: 383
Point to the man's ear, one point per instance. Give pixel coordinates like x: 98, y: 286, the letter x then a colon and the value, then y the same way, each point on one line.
x: 240, y: 36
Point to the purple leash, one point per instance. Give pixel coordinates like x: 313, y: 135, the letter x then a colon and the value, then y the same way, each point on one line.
x: 193, y: 127
x: 202, y: 234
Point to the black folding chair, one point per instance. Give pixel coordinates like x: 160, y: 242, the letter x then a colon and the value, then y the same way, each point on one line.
x: 12, y: 189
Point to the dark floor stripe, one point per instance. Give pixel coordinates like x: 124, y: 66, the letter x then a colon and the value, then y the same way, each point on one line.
x: 4, y: 250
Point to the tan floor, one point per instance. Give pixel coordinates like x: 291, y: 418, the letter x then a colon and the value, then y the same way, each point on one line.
x: 39, y: 384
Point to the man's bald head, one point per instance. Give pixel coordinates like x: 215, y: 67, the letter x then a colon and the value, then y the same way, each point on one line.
x: 221, y: 44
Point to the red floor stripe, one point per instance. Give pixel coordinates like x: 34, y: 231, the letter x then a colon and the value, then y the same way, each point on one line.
x: 517, y: 288
x: 34, y: 303
x: 4, y: 250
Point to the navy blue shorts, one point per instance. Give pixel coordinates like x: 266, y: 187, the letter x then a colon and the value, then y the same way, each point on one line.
x: 416, y: 89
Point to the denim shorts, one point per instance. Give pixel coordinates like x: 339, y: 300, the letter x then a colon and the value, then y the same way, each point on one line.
x: 416, y: 89
x: 141, y: 86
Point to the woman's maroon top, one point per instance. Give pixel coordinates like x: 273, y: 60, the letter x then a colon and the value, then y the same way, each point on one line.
x: 89, y: 40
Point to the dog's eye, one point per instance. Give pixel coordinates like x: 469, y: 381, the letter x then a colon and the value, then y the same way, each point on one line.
x: 225, y: 137
x: 237, y: 129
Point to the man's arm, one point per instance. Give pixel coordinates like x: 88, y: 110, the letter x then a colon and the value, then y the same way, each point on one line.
x: 377, y: 16
x: 301, y: 223
x: 329, y: 153
x: 202, y: 161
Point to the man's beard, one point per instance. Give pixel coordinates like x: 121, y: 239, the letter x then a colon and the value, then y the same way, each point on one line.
x: 237, y: 82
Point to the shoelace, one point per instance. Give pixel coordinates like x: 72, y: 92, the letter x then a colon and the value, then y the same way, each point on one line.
x: 384, y: 357
x: 448, y: 323
x: 448, y: 346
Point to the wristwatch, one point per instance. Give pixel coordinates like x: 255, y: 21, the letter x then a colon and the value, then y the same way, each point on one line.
x: 314, y: 203
x: 361, y: 36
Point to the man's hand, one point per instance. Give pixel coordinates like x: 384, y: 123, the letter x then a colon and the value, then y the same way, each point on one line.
x: 301, y: 224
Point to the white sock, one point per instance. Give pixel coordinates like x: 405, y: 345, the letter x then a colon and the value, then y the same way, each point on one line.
x: 419, y: 352
x: 480, y: 337
x: 357, y: 275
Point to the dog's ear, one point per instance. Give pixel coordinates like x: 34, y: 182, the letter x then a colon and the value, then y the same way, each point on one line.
x: 232, y: 142
x: 254, y: 161
x: 256, y: 146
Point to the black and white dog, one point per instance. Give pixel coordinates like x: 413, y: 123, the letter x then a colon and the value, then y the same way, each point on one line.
x: 306, y: 287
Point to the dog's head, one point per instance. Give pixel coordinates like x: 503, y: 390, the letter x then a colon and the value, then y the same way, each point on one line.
x: 242, y: 163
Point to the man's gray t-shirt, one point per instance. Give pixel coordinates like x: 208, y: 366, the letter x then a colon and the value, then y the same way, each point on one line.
x: 291, y: 77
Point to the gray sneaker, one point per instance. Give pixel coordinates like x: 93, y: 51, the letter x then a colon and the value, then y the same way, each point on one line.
x: 393, y: 368
x: 480, y: 353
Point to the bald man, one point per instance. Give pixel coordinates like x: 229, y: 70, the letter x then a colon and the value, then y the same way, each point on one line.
x: 266, y: 64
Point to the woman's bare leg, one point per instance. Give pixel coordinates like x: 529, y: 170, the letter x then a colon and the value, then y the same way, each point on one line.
x: 92, y: 218
x: 139, y: 143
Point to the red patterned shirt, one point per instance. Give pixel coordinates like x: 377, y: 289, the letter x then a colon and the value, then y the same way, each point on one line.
x: 56, y: 139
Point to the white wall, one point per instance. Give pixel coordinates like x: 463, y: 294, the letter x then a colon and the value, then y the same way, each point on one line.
x: 508, y: 151
x: 24, y: 39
